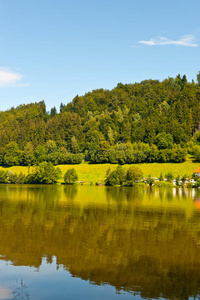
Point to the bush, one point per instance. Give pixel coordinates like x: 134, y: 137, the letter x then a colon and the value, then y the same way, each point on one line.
x: 197, y: 184
x: 45, y: 172
x: 163, y: 184
x: 3, y: 176
x: 150, y: 180
x: 116, y: 177
x: 11, y: 177
x: 169, y: 176
x: 70, y: 176
x: 190, y: 185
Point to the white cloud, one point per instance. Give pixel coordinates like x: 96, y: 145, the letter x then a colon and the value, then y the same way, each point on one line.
x: 9, y: 78
x: 186, y: 40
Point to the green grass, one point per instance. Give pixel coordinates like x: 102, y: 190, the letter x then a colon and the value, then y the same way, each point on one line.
x: 96, y: 172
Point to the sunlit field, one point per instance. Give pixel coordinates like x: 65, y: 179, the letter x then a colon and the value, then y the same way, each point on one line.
x: 92, y: 173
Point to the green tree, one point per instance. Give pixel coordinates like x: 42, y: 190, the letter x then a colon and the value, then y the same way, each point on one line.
x: 196, y: 152
x: 53, y: 111
x: 28, y: 154
x: 45, y: 172
x: 164, y: 140
x: 116, y: 177
x: 70, y: 176
x: 198, y: 78
x: 169, y: 176
x: 74, y: 145
x: 12, y: 155
x: 40, y: 154
x: 133, y: 175
x: 196, y: 138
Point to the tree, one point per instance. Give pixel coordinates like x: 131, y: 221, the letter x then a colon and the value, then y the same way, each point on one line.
x: 28, y: 154
x: 12, y: 155
x: 61, y: 106
x: 116, y: 177
x: 53, y: 111
x: 196, y: 137
x: 196, y: 152
x: 40, y: 154
x: 169, y: 176
x: 134, y: 174
x: 70, y: 176
x: 198, y: 78
x: 74, y: 145
x: 45, y: 172
x: 164, y: 140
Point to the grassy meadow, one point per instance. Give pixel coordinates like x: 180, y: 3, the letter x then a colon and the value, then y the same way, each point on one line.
x: 96, y: 172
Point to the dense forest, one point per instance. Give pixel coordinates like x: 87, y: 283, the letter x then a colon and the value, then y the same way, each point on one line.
x: 141, y: 122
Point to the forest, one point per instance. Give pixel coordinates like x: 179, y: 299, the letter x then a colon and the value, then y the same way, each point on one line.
x: 151, y: 121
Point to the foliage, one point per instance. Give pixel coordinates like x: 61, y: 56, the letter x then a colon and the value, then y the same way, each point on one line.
x: 164, y: 140
x: 163, y: 184
x: 3, y: 176
x: 196, y: 152
x: 145, y: 122
x: 70, y: 176
x: 196, y: 138
x: 134, y: 174
x: 150, y: 180
x: 190, y: 185
x: 169, y: 176
x: 116, y: 177
x: 45, y: 172
x: 197, y: 184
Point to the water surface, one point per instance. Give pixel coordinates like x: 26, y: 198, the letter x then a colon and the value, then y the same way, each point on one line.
x: 88, y: 242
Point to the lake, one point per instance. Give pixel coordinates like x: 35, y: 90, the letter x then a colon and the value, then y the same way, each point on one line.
x: 93, y: 242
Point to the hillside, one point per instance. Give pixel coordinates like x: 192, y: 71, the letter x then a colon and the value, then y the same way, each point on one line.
x: 142, y: 122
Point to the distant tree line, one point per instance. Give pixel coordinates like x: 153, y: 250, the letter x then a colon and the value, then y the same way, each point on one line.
x: 127, y: 153
x: 141, y: 122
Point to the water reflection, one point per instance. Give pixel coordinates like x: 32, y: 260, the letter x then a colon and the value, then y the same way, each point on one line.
x: 138, y: 240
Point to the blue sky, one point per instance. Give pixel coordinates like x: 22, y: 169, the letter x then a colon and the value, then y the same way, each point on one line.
x: 52, y: 50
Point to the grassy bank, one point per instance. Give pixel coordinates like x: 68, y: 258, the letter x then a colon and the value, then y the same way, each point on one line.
x: 96, y: 173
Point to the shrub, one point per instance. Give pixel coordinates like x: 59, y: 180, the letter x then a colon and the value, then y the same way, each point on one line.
x: 163, y: 184
x: 169, y: 176
x: 150, y: 180
x: 190, y: 185
x: 197, y: 184
x: 45, y: 172
x: 3, y: 176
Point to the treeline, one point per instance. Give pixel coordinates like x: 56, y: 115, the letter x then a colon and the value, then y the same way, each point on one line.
x: 11, y: 155
x: 122, y: 153
x: 140, y: 122
x: 134, y: 153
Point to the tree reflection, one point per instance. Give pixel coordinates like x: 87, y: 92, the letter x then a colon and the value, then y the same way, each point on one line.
x: 138, y: 240
x: 20, y: 291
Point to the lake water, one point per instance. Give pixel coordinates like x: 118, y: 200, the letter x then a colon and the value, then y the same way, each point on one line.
x: 88, y: 242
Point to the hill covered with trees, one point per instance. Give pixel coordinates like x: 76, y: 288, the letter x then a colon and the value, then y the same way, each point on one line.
x: 141, y: 122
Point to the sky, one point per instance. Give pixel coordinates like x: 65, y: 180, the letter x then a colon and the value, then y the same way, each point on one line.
x: 53, y: 50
